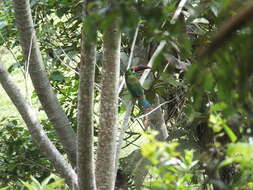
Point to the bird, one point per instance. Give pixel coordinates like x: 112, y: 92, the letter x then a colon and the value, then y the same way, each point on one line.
x: 134, y: 86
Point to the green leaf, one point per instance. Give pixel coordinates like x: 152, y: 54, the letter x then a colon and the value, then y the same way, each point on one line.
x: 36, y: 183
x: 216, y: 123
x: 218, y: 107
x: 54, y: 185
x: 29, y: 186
x: 45, y: 181
x: 240, y: 151
x: 4, y: 188
x: 230, y: 133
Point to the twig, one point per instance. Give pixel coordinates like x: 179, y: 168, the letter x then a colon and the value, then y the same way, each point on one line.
x: 71, y: 59
x: 62, y: 62
x: 157, y: 107
x: 27, y: 65
x: 28, y: 60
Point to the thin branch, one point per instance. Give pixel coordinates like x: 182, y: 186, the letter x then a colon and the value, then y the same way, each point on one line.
x: 156, y: 108
x: 178, y: 11
x: 71, y: 59
x: 27, y: 64
x: 62, y: 62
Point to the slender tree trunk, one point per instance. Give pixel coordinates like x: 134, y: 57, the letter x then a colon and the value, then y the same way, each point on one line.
x: 85, y: 133
x: 40, y: 80
x: 37, y: 133
x: 105, y: 165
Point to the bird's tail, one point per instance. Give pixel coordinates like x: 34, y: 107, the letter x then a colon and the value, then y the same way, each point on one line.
x: 145, y: 104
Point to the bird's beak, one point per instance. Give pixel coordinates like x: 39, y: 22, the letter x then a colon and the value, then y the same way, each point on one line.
x: 140, y: 68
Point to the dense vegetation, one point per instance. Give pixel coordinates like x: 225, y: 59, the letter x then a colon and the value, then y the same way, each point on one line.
x: 202, y: 77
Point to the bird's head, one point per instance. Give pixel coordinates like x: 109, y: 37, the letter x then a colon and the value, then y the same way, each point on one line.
x: 135, y: 69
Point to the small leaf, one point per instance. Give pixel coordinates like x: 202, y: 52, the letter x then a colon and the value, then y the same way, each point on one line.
x: 54, y: 185
x: 218, y: 107
x: 230, y: 133
x: 36, y: 183
x: 200, y: 21
x: 45, y: 181
x: 4, y: 188
x: 28, y: 186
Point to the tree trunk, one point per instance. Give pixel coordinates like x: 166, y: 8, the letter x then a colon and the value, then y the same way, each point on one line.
x: 85, y: 133
x: 40, y: 80
x: 105, y: 165
x: 37, y: 133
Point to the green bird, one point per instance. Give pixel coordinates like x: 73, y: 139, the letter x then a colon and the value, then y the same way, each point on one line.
x: 135, y: 87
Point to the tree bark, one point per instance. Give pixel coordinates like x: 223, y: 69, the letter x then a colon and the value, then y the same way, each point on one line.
x: 37, y: 133
x: 40, y: 80
x: 105, y: 165
x: 85, y: 133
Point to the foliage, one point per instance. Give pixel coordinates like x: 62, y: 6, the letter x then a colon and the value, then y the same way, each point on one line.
x: 46, y: 184
x: 209, y: 107
x: 170, y: 169
x: 20, y: 157
x: 240, y: 154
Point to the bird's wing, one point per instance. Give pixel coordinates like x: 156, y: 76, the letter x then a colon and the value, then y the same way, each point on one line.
x: 135, y: 87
